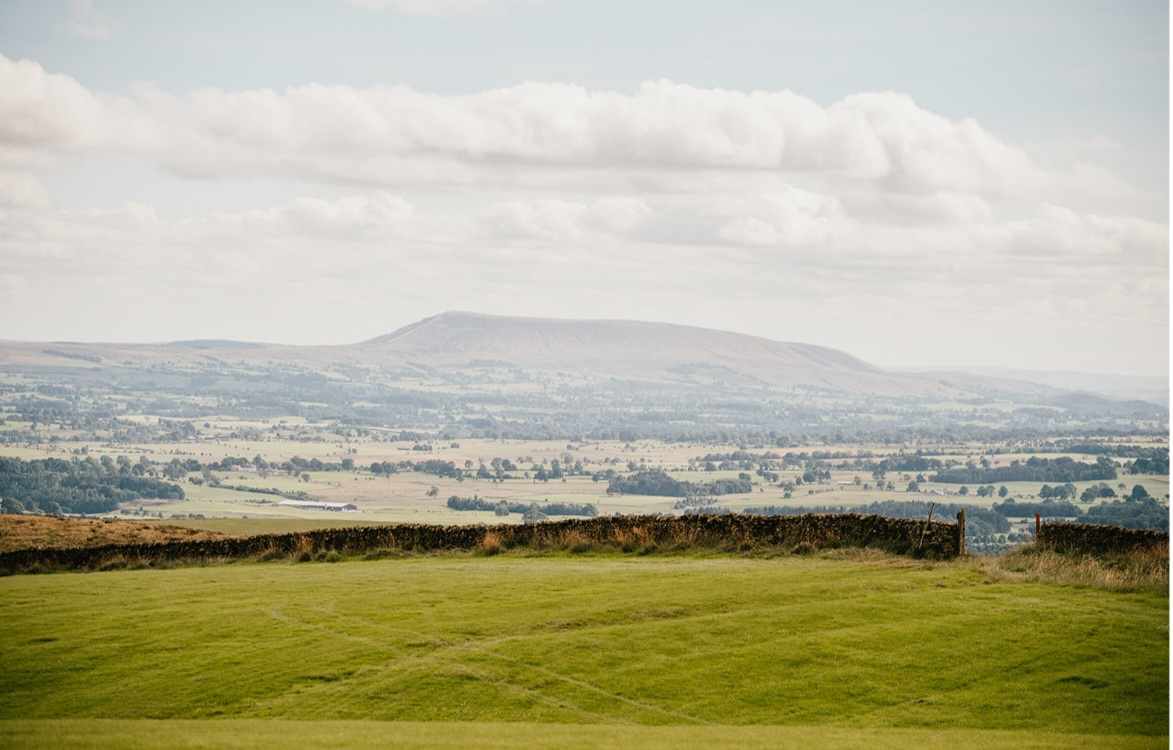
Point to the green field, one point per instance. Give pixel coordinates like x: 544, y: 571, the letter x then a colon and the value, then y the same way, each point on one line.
x: 580, y: 650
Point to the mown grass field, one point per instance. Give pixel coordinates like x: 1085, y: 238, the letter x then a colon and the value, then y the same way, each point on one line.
x: 563, y: 650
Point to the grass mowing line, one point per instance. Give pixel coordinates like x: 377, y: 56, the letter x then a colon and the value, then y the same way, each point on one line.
x: 482, y: 646
x: 596, y: 689
x: 527, y: 691
x: 996, y: 672
x: 422, y: 663
x: 815, y: 598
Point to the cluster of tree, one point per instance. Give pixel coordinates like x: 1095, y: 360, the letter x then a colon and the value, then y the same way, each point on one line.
x: 383, y: 468
x: 904, y: 462
x: 1096, y: 492
x: 1134, y: 513
x: 1058, y: 492
x: 498, y: 468
x: 1155, y: 463
x: 292, y: 495
x: 741, y: 455
x: 694, y: 502
x: 1138, y: 510
x: 504, y: 508
x: 433, y: 466
x: 54, y: 485
x: 556, y: 471
x: 816, y: 473
x: 1147, y: 460
x: 1047, y: 509
x: 177, y: 468
x: 1119, y: 450
x: 1034, y: 469
x: 658, y: 483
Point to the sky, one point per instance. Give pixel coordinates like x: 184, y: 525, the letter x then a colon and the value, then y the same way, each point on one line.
x: 942, y: 184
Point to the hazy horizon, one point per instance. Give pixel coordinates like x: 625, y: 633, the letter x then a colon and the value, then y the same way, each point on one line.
x: 858, y: 178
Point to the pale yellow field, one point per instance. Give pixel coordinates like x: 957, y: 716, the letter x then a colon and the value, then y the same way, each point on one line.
x: 404, y: 497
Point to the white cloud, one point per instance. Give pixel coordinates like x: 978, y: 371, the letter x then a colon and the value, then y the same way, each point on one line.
x: 883, y: 138
x: 762, y: 200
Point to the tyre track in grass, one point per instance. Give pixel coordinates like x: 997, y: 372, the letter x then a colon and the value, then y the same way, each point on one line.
x: 421, y: 662
x: 448, y: 652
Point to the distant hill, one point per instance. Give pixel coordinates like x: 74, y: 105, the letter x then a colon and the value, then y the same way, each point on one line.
x: 636, y: 350
x: 456, y: 348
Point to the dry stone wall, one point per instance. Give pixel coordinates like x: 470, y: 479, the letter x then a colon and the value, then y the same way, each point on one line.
x: 1095, y: 539
x: 732, y: 532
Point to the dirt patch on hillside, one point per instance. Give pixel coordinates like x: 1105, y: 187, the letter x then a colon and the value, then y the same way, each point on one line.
x: 35, y: 532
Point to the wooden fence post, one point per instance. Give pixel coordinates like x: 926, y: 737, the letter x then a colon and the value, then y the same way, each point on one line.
x: 961, y: 532
x: 1038, y: 526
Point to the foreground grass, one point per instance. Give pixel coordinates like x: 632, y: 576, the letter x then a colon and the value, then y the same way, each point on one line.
x: 848, y: 649
x: 101, y: 734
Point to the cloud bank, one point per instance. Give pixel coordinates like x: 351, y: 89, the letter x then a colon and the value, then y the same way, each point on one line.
x: 765, y: 198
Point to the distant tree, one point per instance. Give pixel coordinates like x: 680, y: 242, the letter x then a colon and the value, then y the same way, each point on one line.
x: 1002, y: 491
x: 1138, y: 493
x: 534, y: 514
x: 174, y: 470
x: 1097, y: 491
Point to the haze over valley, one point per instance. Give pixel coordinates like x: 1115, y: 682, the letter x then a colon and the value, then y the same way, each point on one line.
x: 467, y: 373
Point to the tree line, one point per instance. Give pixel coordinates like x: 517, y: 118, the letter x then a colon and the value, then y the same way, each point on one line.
x: 1034, y: 469
x: 658, y: 483
x: 504, y: 507
x: 54, y: 485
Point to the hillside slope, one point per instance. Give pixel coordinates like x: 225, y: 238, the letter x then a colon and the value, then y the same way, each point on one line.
x: 458, y: 349
x: 629, y: 349
x: 585, y: 349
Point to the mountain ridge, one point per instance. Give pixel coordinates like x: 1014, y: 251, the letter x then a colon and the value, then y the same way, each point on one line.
x: 590, y: 350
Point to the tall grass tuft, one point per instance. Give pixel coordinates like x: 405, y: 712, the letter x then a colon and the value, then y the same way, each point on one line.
x: 1142, y: 569
x: 490, y: 544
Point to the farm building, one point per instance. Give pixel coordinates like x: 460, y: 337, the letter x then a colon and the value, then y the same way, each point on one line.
x: 318, y: 505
